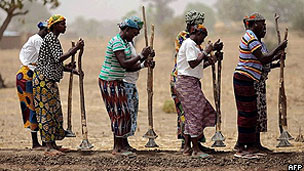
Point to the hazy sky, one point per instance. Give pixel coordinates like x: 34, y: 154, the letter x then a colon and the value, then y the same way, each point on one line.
x: 111, y: 9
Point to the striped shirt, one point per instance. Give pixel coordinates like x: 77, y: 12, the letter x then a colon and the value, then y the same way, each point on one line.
x: 248, y: 64
x: 111, y: 68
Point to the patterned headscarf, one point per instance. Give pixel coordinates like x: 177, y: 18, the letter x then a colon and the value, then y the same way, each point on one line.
x: 42, y: 24
x: 133, y: 22
x: 55, y: 19
x: 194, y: 17
x: 253, y: 17
x: 200, y: 28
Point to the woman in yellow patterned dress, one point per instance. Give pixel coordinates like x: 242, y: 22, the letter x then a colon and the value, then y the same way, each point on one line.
x: 48, y: 72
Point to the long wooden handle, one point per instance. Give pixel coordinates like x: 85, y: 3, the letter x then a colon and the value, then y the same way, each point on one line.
x: 150, y: 84
x: 276, y: 17
x: 145, y: 25
x: 282, y: 94
x: 70, y: 93
x: 219, y: 82
x: 82, y: 104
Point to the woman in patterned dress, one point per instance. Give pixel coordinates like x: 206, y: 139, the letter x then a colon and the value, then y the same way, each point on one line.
x: 260, y: 87
x: 48, y: 72
x: 249, y: 70
x: 198, y: 111
x: 28, y: 57
x: 119, y: 60
x: 192, y: 18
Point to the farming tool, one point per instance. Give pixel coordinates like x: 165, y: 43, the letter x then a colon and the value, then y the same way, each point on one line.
x: 284, y: 135
x: 69, y: 132
x: 218, y: 137
x: 150, y: 133
x: 85, y: 144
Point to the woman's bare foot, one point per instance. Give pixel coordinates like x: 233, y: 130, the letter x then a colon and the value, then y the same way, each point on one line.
x: 187, y: 151
x: 53, y: 152
x: 38, y: 148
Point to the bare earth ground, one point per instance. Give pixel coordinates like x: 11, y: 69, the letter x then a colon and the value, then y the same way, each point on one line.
x: 15, y: 141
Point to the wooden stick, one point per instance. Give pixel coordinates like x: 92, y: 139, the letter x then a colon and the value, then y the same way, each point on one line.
x: 150, y: 83
x: 70, y: 93
x: 219, y: 75
x: 215, y: 91
x: 276, y: 17
x: 145, y: 25
x: 282, y: 94
x: 82, y: 104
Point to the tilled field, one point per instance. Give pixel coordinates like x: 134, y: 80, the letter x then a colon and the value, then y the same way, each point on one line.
x: 13, y: 159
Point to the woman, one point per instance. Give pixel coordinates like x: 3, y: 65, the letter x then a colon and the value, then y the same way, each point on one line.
x: 28, y: 57
x: 253, y: 56
x: 46, y: 93
x: 260, y: 88
x: 192, y: 18
x: 117, y: 61
x: 198, y: 111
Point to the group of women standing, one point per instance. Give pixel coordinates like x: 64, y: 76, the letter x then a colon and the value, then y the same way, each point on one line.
x: 249, y: 80
x: 42, y: 68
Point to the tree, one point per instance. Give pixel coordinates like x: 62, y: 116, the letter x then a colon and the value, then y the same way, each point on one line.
x: 28, y: 23
x: 235, y: 10
x: 14, y: 8
x: 289, y: 11
x: 161, y: 12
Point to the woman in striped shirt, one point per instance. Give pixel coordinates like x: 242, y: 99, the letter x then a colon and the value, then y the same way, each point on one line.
x: 118, y: 60
x: 248, y: 70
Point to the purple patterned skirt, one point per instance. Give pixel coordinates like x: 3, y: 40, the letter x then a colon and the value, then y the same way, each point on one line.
x: 198, y: 111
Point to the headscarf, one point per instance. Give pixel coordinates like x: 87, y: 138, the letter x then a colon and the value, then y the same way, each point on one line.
x: 194, y: 17
x: 133, y: 22
x: 200, y: 28
x: 55, y: 19
x: 253, y: 17
x: 42, y: 24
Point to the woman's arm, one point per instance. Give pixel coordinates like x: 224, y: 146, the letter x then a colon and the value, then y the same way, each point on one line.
x: 201, y: 56
x: 271, y: 56
x: 131, y: 62
x: 72, y: 51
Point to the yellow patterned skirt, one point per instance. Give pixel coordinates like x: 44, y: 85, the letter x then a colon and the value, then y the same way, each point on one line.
x: 48, y: 108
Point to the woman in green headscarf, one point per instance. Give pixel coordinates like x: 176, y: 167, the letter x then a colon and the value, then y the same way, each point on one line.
x: 119, y: 60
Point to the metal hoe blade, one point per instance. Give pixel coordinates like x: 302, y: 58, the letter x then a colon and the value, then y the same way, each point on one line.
x: 69, y: 133
x: 85, y: 146
x: 283, y: 139
x: 151, y: 143
x: 300, y: 137
x: 218, y: 139
x: 151, y: 135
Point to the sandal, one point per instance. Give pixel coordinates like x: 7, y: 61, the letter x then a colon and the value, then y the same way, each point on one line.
x: 128, y: 154
x: 200, y: 155
x: 246, y: 155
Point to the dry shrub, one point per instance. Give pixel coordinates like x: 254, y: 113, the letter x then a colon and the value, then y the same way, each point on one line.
x: 169, y: 106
